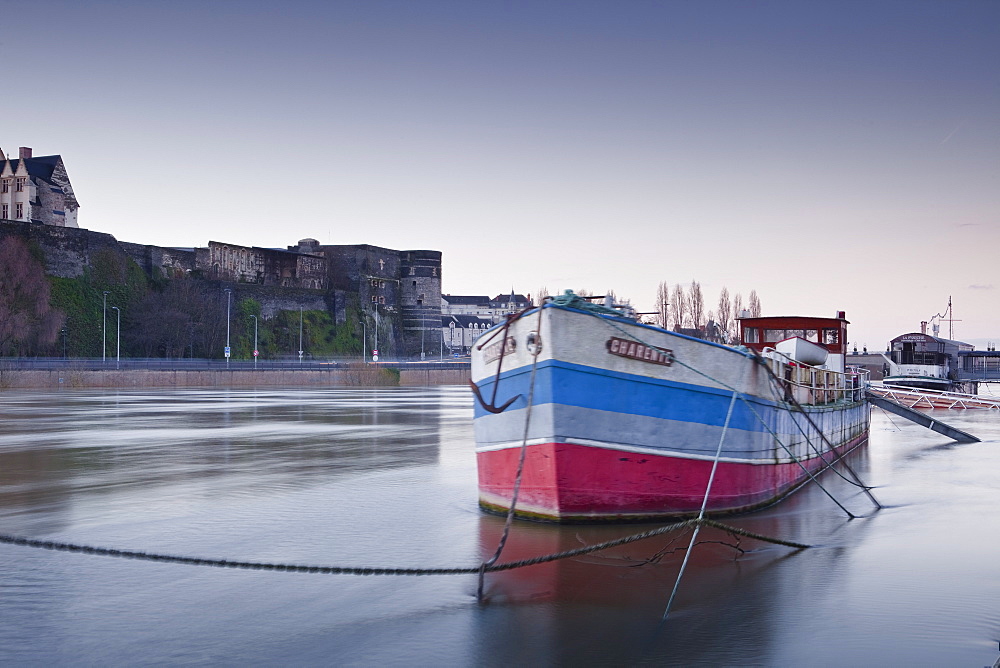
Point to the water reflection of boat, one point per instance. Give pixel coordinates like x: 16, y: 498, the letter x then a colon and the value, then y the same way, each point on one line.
x: 627, y: 420
x: 729, y: 605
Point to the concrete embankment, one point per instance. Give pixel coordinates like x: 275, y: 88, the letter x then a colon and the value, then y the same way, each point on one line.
x: 361, y: 376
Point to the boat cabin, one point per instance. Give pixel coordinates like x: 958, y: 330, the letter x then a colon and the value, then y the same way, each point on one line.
x: 924, y: 349
x: 920, y: 360
x: 774, y: 331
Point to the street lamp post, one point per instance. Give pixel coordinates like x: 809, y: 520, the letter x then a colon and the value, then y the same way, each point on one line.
x: 254, y: 340
x: 64, y: 342
x: 104, y: 331
x: 229, y: 299
x: 364, y: 340
x: 118, y: 339
x: 300, y: 335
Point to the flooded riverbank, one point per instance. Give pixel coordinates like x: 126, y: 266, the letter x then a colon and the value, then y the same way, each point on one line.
x: 386, y: 477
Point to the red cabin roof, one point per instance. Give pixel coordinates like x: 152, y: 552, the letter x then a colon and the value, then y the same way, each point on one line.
x: 764, y: 332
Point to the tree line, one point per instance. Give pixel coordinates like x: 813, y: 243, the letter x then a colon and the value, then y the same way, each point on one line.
x: 680, y: 308
x: 684, y: 308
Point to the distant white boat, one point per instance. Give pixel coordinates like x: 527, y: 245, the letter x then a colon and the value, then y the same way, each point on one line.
x: 921, y: 361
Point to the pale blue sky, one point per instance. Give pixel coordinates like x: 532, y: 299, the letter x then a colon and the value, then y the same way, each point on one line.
x: 830, y: 155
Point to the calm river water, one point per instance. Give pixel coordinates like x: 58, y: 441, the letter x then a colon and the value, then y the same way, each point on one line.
x: 386, y: 477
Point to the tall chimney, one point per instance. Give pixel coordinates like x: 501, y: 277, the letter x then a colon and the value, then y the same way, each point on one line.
x: 923, y: 326
x: 25, y: 152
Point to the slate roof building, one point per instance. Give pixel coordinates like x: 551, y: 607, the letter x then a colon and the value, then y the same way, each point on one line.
x: 481, y: 305
x: 466, y: 305
x: 459, y: 332
x: 36, y: 190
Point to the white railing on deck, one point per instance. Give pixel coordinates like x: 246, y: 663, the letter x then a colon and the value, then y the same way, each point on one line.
x: 809, y: 385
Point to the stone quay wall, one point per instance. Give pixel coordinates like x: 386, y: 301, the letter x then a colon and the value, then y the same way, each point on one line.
x: 364, y: 376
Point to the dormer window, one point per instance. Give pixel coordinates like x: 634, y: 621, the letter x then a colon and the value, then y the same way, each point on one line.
x: 19, y: 186
x: 5, y: 186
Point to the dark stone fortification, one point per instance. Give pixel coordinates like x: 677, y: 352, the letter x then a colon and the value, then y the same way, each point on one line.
x: 402, y: 287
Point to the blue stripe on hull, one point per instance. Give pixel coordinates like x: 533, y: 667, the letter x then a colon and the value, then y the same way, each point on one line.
x: 588, y: 387
x: 593, y: 406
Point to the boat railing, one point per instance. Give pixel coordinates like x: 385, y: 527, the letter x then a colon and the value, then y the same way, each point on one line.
x: 812, y: 385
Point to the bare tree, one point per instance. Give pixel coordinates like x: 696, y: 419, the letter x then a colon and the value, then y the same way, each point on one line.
x: 663, y: 304
x: 543, y: 293
x: 678, y: 307
x: 724, y: 313
x: 28, y: 324
x: 753, y: 304
x: 164, y: 322
x: 734, y: 331
x: 696, y: 305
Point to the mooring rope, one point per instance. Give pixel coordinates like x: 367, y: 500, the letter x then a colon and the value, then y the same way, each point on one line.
x: 838, y: 458
x: 704, y: 502
x: 891, y: 421
x: 381, y: 570
x: 743, y: 398
x: 488, y: 566
x: 524, y: 450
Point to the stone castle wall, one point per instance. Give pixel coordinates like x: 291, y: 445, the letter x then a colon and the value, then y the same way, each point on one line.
x: 402, y: 287
x: 68, y: 250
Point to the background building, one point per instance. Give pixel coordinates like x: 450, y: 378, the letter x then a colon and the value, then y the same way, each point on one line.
x: 36, y: 190
x: 465, y: 317
x: 480, y: 305
x: 395, y: 296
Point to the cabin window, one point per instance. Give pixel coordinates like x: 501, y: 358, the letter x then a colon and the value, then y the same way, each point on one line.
x: 831, y: 336
x: 772, y: 335
x: 812, y: 335
x: 751, y: 335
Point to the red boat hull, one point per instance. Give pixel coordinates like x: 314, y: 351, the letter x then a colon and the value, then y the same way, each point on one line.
x: 567, y: 482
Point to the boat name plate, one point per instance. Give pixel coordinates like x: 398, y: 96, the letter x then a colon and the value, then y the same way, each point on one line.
x: 491, y: 352
x: 638, y: 351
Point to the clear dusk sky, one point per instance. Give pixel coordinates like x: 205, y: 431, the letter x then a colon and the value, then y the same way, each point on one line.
x: 830, y: 155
